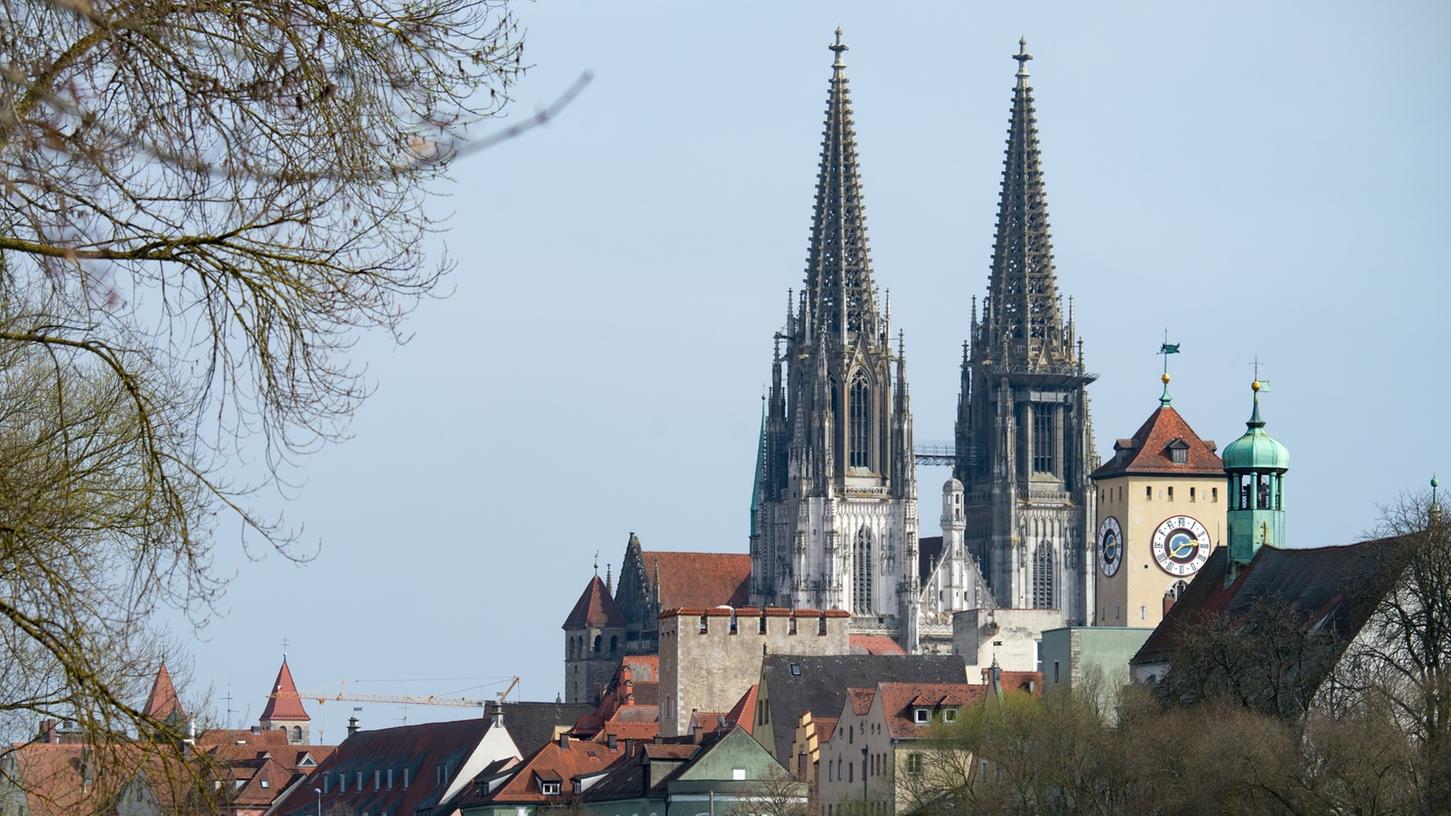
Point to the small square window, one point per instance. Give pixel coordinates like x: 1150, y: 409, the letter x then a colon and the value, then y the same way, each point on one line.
x: 1191, y: 494
x: 920, y: 714
x: 795, y: 667
x: 1148, y: 492
x: 1171, y: 493
x: 950, y: 715
x: 738, y: 774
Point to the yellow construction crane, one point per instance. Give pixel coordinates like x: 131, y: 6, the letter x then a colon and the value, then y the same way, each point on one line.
x: 343, y: 695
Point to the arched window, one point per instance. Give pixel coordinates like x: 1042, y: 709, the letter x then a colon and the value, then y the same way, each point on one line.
x: 862, y: 584
x: 614, y: 643
x: 861, y: 423
x: 1043, y: 576
x: 597, y: 644
x: 296, y: 734
x: 1177, y: 591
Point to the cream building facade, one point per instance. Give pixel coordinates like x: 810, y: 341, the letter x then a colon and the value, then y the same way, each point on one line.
x: 1160, y: 513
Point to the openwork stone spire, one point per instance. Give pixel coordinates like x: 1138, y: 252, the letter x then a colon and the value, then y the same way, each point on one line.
x: 838, y: 268
x: 1022, y: 325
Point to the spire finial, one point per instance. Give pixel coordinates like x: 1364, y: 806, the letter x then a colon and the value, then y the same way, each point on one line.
x: 1257, y: 385
x: 838, y: 47
x: 1166, y: 349
x: 1022, y: 57
x: 597, y: 563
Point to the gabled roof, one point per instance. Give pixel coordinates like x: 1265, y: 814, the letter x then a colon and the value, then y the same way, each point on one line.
x: 742, y: 714
x: 1148, y: 450
x: 162, y: 703
x: 419, y: 749
x: 552, y: 762
x: 284, y: 703
x: 797, y: 683
x: 700, y: 579
x: 1336, y: 587
x: 900, y: 699
x: 595, y: 608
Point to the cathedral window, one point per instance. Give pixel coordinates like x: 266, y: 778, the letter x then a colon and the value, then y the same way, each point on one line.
x: 1043, y: 438
x: 861, y: 423
x: 1043, y: 595
x: 862, y: 583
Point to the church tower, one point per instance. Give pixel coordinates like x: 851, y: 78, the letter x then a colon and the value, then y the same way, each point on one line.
x: 284, y: 711
x: 836, y: 523
x: 1256, y: 464
x: 594, y: 639
x: 1024, y: 441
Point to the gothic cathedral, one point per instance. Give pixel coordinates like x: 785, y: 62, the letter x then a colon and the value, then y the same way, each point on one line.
x: 835, y: 525
x: 1024, y: 442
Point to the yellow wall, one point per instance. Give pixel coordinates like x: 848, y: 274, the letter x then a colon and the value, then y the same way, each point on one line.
x: 1134, y: 596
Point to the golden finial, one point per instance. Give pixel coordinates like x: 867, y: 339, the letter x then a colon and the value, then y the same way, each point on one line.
x: 1255, y: 386
x: 1165, y: 378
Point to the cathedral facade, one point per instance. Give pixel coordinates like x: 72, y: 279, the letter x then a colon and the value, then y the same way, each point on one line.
x: 834, y: 524
x: 1024, y: 440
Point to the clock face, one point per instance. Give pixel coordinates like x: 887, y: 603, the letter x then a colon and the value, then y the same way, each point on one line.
x: 1181, y: 545
x: 1110, y: 546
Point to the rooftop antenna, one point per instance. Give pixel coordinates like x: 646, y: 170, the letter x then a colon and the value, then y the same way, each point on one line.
x: 230, y: 710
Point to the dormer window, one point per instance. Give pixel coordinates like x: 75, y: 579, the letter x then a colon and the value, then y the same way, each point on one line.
x: 1179, y: 452
x: 949, y: 714
x: 549, y: 788
x: 921, y: 715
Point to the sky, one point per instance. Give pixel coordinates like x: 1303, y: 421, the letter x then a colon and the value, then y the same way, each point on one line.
x: 1255, y: 179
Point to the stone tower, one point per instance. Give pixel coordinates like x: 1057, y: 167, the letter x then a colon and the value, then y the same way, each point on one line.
x: 1255, y: 464
x: 284, y: 711
x: 1024, y: 440
x: 594, y: 639
x: 836, y: 521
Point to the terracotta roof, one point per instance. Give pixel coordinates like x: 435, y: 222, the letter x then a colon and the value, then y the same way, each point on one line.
x: 595, y: 607
x: 899, y: 700
x: 162, y: 703
x: 860, y: 699
x: 551, y: 761
x: 700, y: 579
x: 798, y: 683
x: 1148, y: 451
x: 1031, y: 682
x: 418, y: 749
x: 76, y: 778
x: 825, y: 727
x: 704, y: 721
x: 875, y: 645
x: 283, y: 703
x: 1336, y: 587
x: 743, y: 713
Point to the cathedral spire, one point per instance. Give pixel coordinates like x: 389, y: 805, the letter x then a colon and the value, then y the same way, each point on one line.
x: 1023, y: 318
x: 838, y: 266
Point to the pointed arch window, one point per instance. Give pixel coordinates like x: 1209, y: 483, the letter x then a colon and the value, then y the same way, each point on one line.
x: 862, y: 576
x: 1043, y: 576
x: 860, y: 401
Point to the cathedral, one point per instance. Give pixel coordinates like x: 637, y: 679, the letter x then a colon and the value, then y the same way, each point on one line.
x: 834, y: 515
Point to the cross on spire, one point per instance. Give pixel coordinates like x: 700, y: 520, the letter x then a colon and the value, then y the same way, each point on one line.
x: 284, y: 647
x: 838, y: 47
x: 1022, y: 57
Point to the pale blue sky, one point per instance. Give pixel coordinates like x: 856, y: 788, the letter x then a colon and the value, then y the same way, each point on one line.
x: 1265, y: 179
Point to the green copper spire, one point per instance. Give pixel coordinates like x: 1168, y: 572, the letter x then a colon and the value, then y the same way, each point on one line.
x: 1166, y: 349
x: 1256, y: 464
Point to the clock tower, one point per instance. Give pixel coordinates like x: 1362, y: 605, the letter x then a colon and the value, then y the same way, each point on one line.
x: 1159, y: 514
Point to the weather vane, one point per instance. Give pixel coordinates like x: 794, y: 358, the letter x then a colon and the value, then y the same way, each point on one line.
x: 1165, y: 349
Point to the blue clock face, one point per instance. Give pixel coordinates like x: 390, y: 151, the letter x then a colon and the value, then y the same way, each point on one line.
x: 1110, y: 546
x: 1181, y: 545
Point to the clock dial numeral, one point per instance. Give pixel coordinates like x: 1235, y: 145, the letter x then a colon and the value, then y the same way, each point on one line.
x: 1181, y: 545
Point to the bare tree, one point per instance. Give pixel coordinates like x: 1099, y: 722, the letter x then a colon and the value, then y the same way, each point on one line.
x: 202, y: 205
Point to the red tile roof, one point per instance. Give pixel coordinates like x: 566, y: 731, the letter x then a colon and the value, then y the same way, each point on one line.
x: 1147, y: 452
x: 77, y: 778
x: 824, y: 728
x: 162, y: 703
x: 283, y: 703
x: 553, y: 761
x: 743, y: 713
x: 700, y: 579
x: 898, y: 700
x: 595, y: 607
x: 860, y: 699
x: 875, y: 645
x: 420, y: 750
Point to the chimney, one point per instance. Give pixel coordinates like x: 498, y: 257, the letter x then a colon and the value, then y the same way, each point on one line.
x: 610, y: 741
x: 564, y: 740
x: 353, y: 726
x: 47, y: 732
x: 256, y: 729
